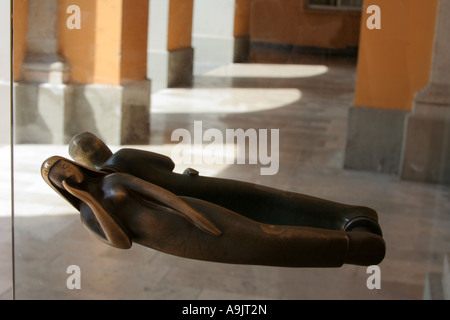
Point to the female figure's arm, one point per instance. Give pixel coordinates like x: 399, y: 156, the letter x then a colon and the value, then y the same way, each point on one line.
x: 119, y: 185
x: 113, y: 232
x: 152, y: 192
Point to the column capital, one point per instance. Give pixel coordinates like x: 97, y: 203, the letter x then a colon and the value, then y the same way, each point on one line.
x: 434, y: 93
x: 50, y: 68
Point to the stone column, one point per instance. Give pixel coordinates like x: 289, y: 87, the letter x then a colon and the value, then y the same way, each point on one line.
x: 105, y: 90
x: 389, y: 73
x: 426, y: 155
x: 40, y: 95
x: 111, y: 97
x: 170, y: 54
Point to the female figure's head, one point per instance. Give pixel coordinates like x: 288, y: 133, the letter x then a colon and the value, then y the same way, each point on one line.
x: 57, y: 170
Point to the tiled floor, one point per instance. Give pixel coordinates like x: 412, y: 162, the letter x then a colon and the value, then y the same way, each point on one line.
x: 308, y: 104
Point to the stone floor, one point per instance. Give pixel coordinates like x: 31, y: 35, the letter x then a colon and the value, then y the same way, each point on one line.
x: 308, y: 103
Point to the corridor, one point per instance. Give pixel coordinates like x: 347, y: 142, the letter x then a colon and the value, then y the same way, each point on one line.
x: 308, y: 103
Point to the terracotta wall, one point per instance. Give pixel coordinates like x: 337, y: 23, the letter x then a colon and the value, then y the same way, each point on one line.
x: 180, y: 24
x: 77, y: 46
x: 20, y: 26
x: 394, y: 61
x: 242, y: 18
x: 107, y: 45
x: 290, y: 22
x: 134, y: 44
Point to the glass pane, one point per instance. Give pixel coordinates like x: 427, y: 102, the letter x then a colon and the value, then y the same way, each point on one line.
x: 6, y: 264
x: 242, y: 163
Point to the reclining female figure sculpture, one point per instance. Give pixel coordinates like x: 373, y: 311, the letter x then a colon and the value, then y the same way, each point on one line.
x: 133, y: 196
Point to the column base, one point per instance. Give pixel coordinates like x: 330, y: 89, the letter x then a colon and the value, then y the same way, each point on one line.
x: 136, y: 104
x: 170, y: 68
x: 427, y: 144
x: 45, y: 68
x: 39, y: 112
x: 117, y: 114
x: 241, y: 49
x: 52, y: 114
x: 181, y: 65
x: 374, y: 139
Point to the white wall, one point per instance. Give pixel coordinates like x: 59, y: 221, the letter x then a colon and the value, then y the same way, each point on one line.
x: 212, y: 34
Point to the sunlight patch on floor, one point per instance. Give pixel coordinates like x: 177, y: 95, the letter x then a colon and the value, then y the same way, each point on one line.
x: 222, y: 100
x: 256, y: 70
